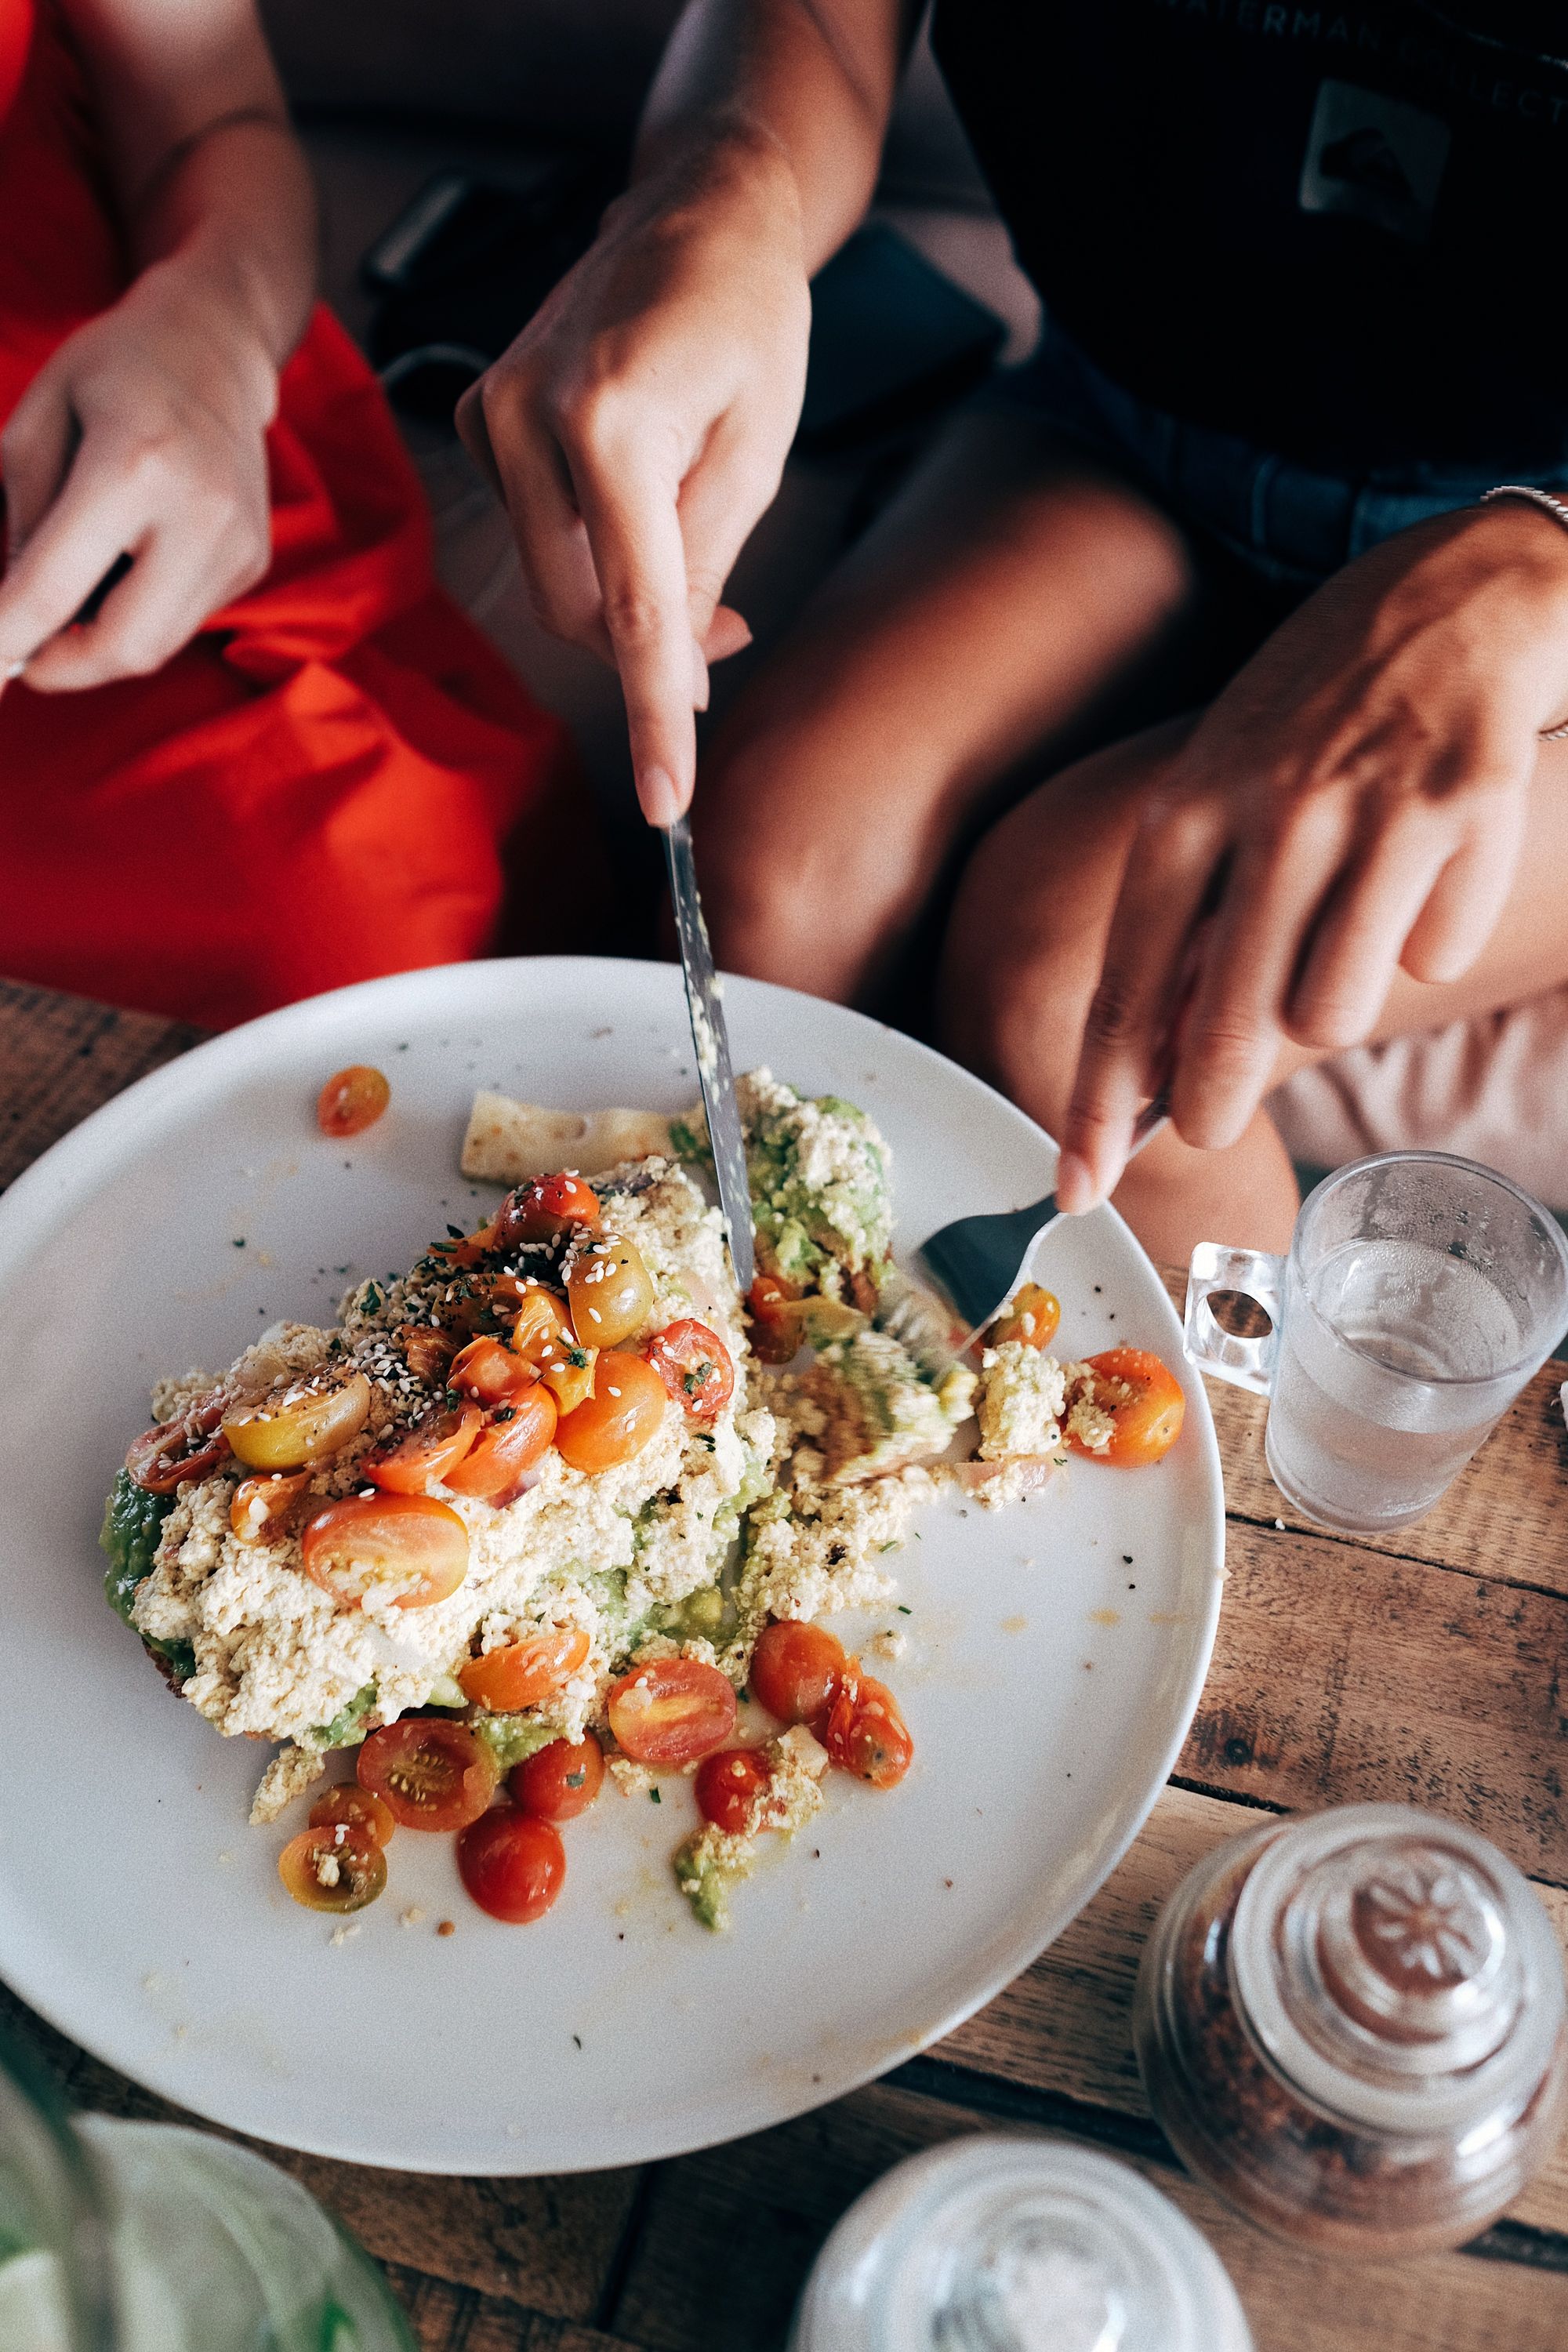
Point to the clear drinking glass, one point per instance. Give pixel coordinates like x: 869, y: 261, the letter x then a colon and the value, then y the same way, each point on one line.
x: 1420, y: 1293
x: 136, y: 2237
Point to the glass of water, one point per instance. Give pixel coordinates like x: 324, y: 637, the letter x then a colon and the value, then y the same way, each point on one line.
x: 1420, y: 1293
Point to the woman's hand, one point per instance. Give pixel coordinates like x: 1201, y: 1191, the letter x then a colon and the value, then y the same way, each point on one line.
x: 638, y: 427
x: 142, y: 436
x: 1351, y: 802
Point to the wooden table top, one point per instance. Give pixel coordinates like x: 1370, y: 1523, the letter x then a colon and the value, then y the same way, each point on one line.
x: 1429, y: 1667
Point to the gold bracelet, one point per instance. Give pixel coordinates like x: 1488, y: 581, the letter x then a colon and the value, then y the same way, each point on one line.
x: 1558, y: 509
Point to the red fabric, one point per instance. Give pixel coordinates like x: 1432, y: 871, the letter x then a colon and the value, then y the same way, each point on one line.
x: 315, y: 789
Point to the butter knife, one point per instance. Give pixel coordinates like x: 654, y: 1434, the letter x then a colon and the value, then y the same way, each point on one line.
x: 711, y: 1041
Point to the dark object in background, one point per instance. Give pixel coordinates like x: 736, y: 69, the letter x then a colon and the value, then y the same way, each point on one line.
x: 467, y: 264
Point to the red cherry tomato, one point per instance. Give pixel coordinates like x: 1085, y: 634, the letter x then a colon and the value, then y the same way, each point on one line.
x: 560, y: 1781
x: 671, y: 1711
x: 620, y: 1417
x: 512, y: 1864
x: 1144, y: 1400
x: 431, y: 1775
x: 796, y: 1671
x: 489, y: 1371
x: 695, y: 1366
x: 523, y: 1674
x: 410, y: 1546
x: 775, y: 1333
x: 351, y: 1100
x: 187, y: 1447
x: 367, y: 1816
x: 728, y: 1786
x: 541, y: 1211
x: 866, y: 1734
x: 331, y: 1869
x: 262, y: 1508
x: 413, y: 1462
x: 516, y: 1435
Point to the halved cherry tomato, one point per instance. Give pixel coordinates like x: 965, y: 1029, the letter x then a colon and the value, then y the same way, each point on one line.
x: 351, y: 1100
x: 431, y: 1775
x: 543, y: 1210
x: 866, y: 1734
x: 796, y: 1671
x: 728, y: 1786
x: 260, y: 1510
x: 543, y: 1336
x: 411, y: 1548
x: 626, y: 1407
x: 186, y: 1447
x: 331, y: 1869
x: 436, y: 1443
x: 1030, y: 1316
x: 488, y: 1370
x: 368, y: 1816
x: 523, y: 1674
x: 671, y: 1711
x: 610, y: 1292
x: 302, y: 1425
x: 695, y: 1366
x: 516, y: 1435
x: 560, y: 1781
x: 775, y: 1334
x: 512, y: 1864
x: 1144, y: 1400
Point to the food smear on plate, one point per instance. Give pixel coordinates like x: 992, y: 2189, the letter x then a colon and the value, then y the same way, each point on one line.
x: 543, y: 1512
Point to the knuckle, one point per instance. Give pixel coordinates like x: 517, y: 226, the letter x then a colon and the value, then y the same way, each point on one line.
x: 1113, y: 1013
x: 631, y: 615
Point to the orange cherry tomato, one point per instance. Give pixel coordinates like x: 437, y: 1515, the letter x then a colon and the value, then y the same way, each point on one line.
x: 1144, y: 1400
x: 728, y: 1786
x: 430, y: 1775
x: 671, y: 1711
x: 523, y: 1674
x: 436, y: 1443
x: 1030, y: 1316
x: 489, y: 1371
x: 611, y: 1292
x: 866, y: 1734
x: 695, y: 1366
x: 512, y: 1864
x: 260, y: 1508
x: 796, y: 1671
x: 369, y: 1817
x: 775, y: 1334
x: 331, y: 1869
x: 351, y: 1100
x: 515, y: 1437
x: 411, y: 1548
x: 543, y: 1210
x: 617, y: 1420
x: 187, y: 1447
x: 543, y: 1336
x: 560, y: 1781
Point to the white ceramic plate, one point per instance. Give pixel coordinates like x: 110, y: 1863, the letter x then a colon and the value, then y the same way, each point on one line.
x: 1054, y: 1651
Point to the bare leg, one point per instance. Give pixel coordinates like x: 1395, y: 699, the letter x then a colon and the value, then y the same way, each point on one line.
x: 1006, y: 598
x: 1024, y: 951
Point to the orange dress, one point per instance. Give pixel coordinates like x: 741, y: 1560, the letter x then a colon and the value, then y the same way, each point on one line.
x: 315, y: 789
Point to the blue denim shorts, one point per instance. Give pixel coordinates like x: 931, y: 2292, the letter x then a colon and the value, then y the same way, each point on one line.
x: 1285, y: 522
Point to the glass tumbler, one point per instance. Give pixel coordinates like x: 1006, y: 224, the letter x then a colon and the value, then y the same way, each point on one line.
x: 1420, y: 1293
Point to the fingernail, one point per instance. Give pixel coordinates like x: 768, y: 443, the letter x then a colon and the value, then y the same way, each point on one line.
x: 660, y: 801
x: 12, y: 670
x: 1075, y: 1184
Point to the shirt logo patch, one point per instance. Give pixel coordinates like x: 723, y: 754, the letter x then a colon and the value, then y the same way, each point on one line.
x: 1374, y: 158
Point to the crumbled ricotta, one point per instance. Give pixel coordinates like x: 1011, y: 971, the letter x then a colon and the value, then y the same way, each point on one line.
x: 1020, y: 1401
x: 289, y: 1775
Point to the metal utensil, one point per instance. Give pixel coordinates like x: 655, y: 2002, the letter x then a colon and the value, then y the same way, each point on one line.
x: 711, y: 1041
x: 973, y: 1268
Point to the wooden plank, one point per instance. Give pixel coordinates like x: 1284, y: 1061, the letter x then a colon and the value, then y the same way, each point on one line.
x: 62, y: 1057
x: 448, y: 2318
x: 731, y: 2233
x: 1502, y: 1518
x: 1064, y: 2027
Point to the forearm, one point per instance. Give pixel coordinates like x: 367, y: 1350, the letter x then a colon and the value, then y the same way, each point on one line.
x: 804, y: 86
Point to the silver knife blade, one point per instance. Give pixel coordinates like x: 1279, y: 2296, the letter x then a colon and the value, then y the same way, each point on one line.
x: 710, y: 1040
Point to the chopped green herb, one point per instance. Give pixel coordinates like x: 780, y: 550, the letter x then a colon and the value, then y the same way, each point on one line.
x: 904, y: 1610
x: 655, y: 1795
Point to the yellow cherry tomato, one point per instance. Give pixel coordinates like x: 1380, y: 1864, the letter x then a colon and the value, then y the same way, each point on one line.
x: 610, y: 1292
x: 302, y: 1425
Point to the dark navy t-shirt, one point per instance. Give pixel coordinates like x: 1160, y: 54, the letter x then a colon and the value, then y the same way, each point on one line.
x: 1339, y: 233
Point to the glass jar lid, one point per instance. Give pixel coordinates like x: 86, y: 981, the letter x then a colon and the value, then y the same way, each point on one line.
x: 1398, y: 1968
